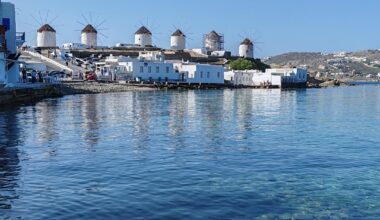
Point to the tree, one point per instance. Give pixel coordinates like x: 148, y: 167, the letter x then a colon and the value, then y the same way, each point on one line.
x: 242, y: 64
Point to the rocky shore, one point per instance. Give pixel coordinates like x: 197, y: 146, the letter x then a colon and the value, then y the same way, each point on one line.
x: 33, y: 93
x: 72, y: 88
x: 26, y: 95
x: 36, y: 92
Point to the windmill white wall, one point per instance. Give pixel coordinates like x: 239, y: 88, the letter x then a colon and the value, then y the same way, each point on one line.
x: 143, y: 37
x: 178, y: 40
x: 246, y: 49
x: 46, y: 37
x: 89, y: 39
x: 143, y: 40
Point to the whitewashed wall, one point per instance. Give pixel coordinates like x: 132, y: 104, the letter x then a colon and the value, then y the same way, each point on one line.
x: 143, y: 39
x: 178, y: 42
x: 46, y: 39
x: 246, y: 51
x: 89, y: 39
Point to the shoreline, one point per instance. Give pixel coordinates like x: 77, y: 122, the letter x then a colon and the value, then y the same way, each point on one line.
x: 38, y: 92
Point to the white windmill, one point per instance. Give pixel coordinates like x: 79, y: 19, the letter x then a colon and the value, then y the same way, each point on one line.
x: 46, y: 37
x: 246, y: 48
x: 178, y: 40
x: 143, y: 37
x: 90, y: 31
x: 213, y: 41
x: 89, y: 36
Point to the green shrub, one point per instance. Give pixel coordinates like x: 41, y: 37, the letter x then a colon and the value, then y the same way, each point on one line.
x: 242, y: 64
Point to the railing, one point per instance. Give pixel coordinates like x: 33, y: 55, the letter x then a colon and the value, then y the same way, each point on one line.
x: 51, y: 61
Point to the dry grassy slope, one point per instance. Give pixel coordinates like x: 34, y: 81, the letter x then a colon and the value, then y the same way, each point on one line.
x: 319, y: 62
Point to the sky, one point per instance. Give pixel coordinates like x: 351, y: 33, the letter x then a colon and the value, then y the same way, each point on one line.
x: 277, y: 26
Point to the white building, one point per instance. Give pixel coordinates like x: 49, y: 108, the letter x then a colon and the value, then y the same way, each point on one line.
x: 46, y: 37
x: 178, y: 40
x: 9, y: 68
x: 150, y: 66
x: 143, y: 37
x: 89, y: 36
x: 74, y: 46
x: 200, y: 73
x: 281, y: 78
x: 246, y: 48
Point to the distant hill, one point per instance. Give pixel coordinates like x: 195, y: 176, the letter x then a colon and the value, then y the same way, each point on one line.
x: 361, y: 62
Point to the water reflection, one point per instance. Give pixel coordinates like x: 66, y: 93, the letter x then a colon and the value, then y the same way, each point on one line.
x: 45, y: 117
x: 211, y: 113
x: 9, y: 157
x: 90, y: 124
x: 140, y: 118
x: 177, y: 114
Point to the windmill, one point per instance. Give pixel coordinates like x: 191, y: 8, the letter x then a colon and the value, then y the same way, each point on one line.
x: 179, y: 38
x: 46, y: 35
x: 143, y: 37
x: 248, y: 46
x: 89, y: 34
x: 146, y: 34
x: 213, y: 41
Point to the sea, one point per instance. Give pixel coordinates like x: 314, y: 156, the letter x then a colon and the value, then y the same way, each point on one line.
x: 197, y: 154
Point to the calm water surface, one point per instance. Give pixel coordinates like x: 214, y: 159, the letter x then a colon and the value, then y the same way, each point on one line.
x: 241, y: 154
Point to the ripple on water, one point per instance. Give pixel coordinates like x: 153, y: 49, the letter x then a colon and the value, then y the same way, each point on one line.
x: 232, y: 154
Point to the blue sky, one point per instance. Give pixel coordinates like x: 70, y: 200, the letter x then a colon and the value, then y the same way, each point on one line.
x: 277, y: 25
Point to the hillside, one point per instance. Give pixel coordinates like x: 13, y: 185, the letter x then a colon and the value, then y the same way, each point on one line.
x: 342, y: 63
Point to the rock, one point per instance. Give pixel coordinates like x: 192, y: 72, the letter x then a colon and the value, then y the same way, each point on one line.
x: 330, y: 83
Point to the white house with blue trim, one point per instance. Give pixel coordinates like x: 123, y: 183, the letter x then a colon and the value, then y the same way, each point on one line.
x: 281, y: 78
x: 152, y: 67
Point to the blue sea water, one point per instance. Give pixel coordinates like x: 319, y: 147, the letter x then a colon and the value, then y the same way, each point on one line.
x: 212, y: 154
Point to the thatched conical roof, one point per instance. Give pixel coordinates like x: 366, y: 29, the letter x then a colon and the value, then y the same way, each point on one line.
x: 46, y: 28
x: 143, y: 30
x: 178, y: 33
x: 213, y: 35
x: 246, y: 41
x: 89, y: 29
